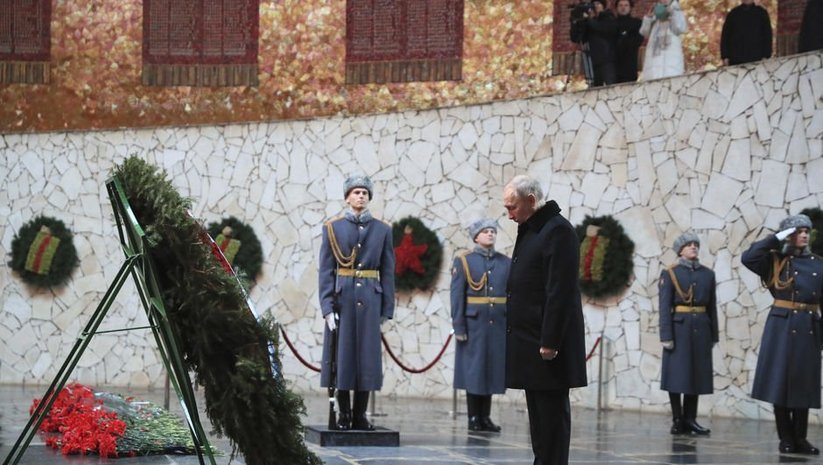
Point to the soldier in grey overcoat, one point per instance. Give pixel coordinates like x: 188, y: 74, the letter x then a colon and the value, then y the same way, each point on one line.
x: 788, y: 364
x: 688, y: 331
x: 356, y: 278
x: 478, y: 307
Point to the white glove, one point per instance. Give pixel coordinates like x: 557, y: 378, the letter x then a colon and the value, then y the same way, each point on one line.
x: 668, y: 345
x: 461, y: 337
x: 383, y: 319
x: 785, y: 233
x: 330, y: 321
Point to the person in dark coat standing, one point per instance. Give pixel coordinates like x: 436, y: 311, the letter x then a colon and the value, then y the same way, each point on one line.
x: 811, y: 32
x: 545, y: 335
x: 356, y: 292
x: 478, y: 305
x: 746, y: 35
x: 788, y: 364
x: 601, y: 32
x: 688, y: 331
x: 627, y: 43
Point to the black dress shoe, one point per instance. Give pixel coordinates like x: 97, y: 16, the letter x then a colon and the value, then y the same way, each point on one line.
x: 786, y: 446
x: 488, y: 425
x: 695, y: 428
x: 678, y: 427
x: 344, y: 421
x: 802, y: 446
x: 362, y: 423
x: 475, y: 424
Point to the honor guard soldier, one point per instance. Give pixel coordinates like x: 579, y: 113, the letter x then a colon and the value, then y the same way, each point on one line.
x: 788, y: 364
x: 688, y: 331
x: 478, y: 306
x: 356, y: 290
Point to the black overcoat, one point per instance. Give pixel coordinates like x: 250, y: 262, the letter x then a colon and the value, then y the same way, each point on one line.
x: 788, y: 364
x: 544, y: 306
x: 687, y: 368
x: 626, y: 48
x: 811, y: 32
x: 746, y: 35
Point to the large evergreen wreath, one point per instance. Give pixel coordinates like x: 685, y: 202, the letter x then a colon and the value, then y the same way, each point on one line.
x: 605, y: 256
x: 816, y: 240
x: 418, y: 253
x: 43, y: 252
x: 240, y: 246
x: 221, y: 340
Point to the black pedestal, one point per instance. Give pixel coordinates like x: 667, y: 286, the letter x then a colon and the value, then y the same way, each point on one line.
x: 380, y: 437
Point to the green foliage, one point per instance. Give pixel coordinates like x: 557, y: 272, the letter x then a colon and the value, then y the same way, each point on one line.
x: 816, y: 240
x: 431, y: 259
x: 221, y: 340
x: 65, y: 257
x: 249, y: 260
x: 617, y: 263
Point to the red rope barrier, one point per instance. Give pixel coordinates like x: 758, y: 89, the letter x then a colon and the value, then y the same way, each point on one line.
x: 594, y: 347
x: 415, y: 370
x: 296, y: 354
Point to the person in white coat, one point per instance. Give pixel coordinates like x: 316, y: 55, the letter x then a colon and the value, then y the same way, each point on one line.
x: 663, y: 27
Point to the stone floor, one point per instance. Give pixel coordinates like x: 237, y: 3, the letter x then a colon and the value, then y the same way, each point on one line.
x: 429, y: 435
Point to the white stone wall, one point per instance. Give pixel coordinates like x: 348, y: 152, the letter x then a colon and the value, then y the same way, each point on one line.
x: 726, y: 154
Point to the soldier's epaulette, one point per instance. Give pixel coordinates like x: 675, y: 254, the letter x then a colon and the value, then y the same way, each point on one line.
x: 334, y: 220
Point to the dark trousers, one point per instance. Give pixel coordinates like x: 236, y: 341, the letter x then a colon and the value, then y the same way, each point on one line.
x: 550, y: 424
x: 604, y: 74
x: 478, y: 405
x: 687, y: 409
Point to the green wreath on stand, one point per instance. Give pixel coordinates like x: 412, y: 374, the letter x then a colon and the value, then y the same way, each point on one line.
x: 418, y: 255
x: 43, y: 252
x: 605, y: 257
x: 816, y: 240
x: 240, y: 246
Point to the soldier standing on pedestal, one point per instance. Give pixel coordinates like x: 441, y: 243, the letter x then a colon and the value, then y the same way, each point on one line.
x: 478, y: 305
x: 357, y: 277
x: 688, y: 331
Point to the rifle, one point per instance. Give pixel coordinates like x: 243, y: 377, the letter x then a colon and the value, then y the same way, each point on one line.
x: 333, y: 367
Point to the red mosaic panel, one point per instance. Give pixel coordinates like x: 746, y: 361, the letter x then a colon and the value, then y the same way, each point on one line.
x: 403, y: 40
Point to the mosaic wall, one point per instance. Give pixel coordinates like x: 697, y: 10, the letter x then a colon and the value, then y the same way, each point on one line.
x: 96, y: 67
x: 724, y: 153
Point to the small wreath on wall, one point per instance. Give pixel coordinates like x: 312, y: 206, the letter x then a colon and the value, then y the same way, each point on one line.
x: 605, y: 256
x: 816, y: 240
x: 240, y: 246
x: 418, y: 255
x: 43, y: 253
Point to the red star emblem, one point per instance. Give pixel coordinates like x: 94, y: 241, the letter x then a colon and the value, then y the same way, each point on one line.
x: 408, y: 254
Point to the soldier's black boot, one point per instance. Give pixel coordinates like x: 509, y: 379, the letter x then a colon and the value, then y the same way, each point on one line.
x: 473, y: 410
x: 343, y: 410
x: 359, y: 420
x: 800, y: 421
x: 485, y: 415
x: 690, y: 416
x: 678, y: 427
x: 785, y: 429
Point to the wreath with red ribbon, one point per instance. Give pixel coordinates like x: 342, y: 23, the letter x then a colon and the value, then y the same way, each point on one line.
x: 418, y: 255
x: 240, y: 246
x: 43, y: 252
x: 605, y: 256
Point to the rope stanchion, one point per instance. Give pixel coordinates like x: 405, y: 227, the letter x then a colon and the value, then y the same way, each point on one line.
x: 594, y: 347
x: 296, y: 354
x: 415, y: 370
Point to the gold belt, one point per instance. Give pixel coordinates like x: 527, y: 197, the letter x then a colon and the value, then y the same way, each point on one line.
x: 373, y: 274
x: 689, y: 309
x: 485, y: 300
x: 796, y: 305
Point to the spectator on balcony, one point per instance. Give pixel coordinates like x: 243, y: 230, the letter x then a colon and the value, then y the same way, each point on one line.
x: 747, y: 34
x: 627, y: 42
x: 663, y: 26
x: 811, y: 30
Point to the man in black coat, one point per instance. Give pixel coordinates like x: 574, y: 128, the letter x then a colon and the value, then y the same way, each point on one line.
x: 601, y: 31
x: 545, y: 353
x: 627, y: 43
x: 746, y: 35
x: 811, y: 32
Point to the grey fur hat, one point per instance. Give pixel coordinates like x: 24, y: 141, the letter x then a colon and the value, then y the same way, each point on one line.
x: 684, y: 239
x: 796, y: 221
x: 479, y: 225
x: 358, y: 180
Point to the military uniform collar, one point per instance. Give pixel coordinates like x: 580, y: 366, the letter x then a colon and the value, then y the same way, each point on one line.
x: 479, y: 249
x: 691, y: 264
x: 364, y: 217
x: 541, y: 216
